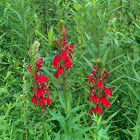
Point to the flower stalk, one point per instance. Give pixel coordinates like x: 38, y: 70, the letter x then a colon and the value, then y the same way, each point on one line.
x: 40, y: 91
x: 63, y: 62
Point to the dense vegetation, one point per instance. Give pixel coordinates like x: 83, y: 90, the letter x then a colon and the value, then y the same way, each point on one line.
x: 104, y: 29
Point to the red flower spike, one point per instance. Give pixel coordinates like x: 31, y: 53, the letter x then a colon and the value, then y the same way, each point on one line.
x: 39, y: 65
x: 99, y: 92
x: 41, y: 88
x: 41, y: 101
x: 63, y: 57
x: 93, y: 71
x: 67, y: 49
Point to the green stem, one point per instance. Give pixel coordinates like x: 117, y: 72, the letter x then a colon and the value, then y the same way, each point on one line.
x: 66, y: 110
x: 43, y: 124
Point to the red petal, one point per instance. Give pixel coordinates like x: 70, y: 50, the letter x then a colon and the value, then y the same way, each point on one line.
x: 72, y: 46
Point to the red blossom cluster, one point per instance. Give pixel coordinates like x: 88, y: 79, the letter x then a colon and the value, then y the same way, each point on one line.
x: 62, y: 60
x: 99, y: 93
x: 41, y: 91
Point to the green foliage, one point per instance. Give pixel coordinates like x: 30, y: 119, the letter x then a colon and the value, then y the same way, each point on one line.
x: 105, y: 29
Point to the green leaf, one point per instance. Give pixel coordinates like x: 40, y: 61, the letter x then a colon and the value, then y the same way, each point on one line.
x: 136, y: 74
x: 105, y: 57
x: 108, y: 119
x: 88, y: 62
x: 57, y: 136
x: 76, y: 108
x: 76, y: 118
x: 136, y: 94
x: 8, y: 74
x: 50, y: 36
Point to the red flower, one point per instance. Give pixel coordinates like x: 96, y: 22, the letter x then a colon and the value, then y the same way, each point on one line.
x: 94, y: 98
x: 40, y: 92
x: 90, y: 111
x: 47, y: 90
x: 97, y: 109
x: 93, y: 91
x: 42, y: 78
x: 70, y: 56
x: 30, y: 68
x: 43, y: 99
x: 56, y: 75
x: 71, y: 46
x: 91, y: 80
x: 107, y: 73
x: 100, y: 84
x: 56, y: 60
x: 68, y: 63
x: 57, y: 44
x: 107, y: 92
x: 38, y: 64
x: 60, y: 70
x: 33, y: 99
x: 94, y: 67
x: 105, y: 102
x: 68, y: 49
x: 63, y: 55
x: 48, y: 100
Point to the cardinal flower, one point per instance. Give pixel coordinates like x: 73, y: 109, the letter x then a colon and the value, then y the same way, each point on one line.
x: 68, y: 63
x: 105, y: 102
x: 56, y: 60
x: 60, y: 70
x: 99, y: 92
x: 62, y: 59
x: 97, y: 109
x: 63, y: 55
x: 41, y: 78
x: 94, y: 98
x: 34, y: 99
x: 40, y: 90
